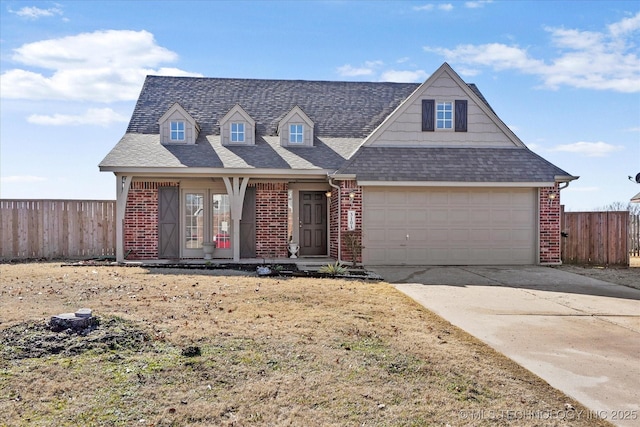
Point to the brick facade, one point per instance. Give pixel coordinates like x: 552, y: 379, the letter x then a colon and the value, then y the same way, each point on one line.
x: 141, y: 220
x: 550, y: 225
x: 346, y: 204
x: 272, y: 212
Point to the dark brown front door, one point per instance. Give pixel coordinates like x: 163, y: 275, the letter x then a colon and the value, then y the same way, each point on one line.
x: 313, y: 223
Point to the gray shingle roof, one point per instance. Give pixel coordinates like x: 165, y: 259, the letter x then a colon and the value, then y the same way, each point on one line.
x: 450, y: 164
x: 338, y: 109
x: 145, y: 151
x: 344, y: 113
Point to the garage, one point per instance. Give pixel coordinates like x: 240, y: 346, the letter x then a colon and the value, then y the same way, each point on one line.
x: 449, y: 225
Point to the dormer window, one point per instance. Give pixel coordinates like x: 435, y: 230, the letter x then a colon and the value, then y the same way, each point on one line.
x: 296, y: 129
x: 237, y: 127
x: 237, y: 132
x: 296, y: 134
x: 177, y: 131
x: 177, y: 126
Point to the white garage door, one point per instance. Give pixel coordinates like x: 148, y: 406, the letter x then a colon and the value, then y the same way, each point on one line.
x: 449, y: 226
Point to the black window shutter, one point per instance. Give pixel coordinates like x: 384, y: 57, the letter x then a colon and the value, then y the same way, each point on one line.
x: 461, y: 115
x: 428, y: 115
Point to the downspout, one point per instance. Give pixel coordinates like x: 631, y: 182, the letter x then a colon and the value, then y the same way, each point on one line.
x: 337, y: 187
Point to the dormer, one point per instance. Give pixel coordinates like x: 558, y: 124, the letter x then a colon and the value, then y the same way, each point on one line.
x: 178, y: 127
x: 296, y: 129
x: 237, y: 127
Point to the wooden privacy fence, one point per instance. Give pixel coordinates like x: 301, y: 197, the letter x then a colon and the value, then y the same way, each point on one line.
x: 597, y: 238
x: 57, y: 229
x: 634, y: 235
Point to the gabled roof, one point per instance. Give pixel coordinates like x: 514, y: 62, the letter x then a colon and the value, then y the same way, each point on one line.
x: 338, y: 109
x: 433, y: 164
x: 343, y: 114
x: 177, y: 107
x: 238, y: 109
x: 471, y: 91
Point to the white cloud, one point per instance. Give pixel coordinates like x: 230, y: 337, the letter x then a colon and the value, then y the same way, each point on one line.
x: 476, y: 4
x: 93, y: 116
x: 427, y: 7
x: 398, y: 76
x: 606, y: 60
x: 22, y: 178
x: 103, y: 66
x: 32, y: 12
x: 367, y: 69
x: 589, y: 149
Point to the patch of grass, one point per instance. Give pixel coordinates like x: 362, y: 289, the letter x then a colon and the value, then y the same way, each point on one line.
x: 271, y: 352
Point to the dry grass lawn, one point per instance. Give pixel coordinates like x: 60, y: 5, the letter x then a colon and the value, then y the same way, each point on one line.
x: 204, y: 348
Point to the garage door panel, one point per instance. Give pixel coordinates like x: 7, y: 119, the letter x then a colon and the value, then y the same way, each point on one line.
x: 437, y: 197
x: 458, y: 215
x: 479, y: 236
x: 417, y: 217
x: 397, y: 235
x: 397, y: 198
x: 418, y: 236
x: 459, y: 198
x: 449, y: 226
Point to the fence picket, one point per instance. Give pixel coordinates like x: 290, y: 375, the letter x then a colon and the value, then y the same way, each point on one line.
x: 597, y: 238
x: 57, y: 229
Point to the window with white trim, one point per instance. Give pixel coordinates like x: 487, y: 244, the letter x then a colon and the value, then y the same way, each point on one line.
x: 237, y: 132
x: 296, y: 134
x: 444, y: 115
x: 177, y: 131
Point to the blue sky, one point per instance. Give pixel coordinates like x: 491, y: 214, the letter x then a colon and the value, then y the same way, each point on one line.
x: 565, y: 76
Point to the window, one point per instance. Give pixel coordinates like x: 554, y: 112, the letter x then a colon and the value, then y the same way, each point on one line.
x: 237, y: 132
x: 221, y: 220
x: 296, y: 134
x: 177, y: 131
x: 444, y: 115
x: 194, y: 216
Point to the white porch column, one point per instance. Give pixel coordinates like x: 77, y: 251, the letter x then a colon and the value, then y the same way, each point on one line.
x: 123, y: 183
x: 236, y: 191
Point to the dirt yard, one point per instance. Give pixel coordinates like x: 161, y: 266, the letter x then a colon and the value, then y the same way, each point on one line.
x: 202, y: 348
x: 621, y: 276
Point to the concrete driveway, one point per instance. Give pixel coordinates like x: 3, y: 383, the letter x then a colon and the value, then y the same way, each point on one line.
x: 579, y: 334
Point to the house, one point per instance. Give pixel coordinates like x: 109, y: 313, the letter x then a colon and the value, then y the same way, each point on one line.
x: 418, y: 174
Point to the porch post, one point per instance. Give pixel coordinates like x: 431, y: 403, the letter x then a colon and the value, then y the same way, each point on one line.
x: 123, y: 183
x: 236, y: 191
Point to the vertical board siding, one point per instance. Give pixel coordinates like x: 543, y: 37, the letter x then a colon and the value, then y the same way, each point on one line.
x: 57, y: 229
x: 596, y: 238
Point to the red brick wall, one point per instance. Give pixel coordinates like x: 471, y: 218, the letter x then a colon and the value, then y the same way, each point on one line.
x: 550, y: 226
x: 333, y: 224
x: 345, y: 207
x: 271, y: 220
x: 141, y: 220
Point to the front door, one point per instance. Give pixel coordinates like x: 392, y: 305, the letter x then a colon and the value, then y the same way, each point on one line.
x: 313, y: 223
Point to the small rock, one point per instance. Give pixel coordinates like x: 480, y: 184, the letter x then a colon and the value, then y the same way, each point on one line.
x: 191, y: 351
